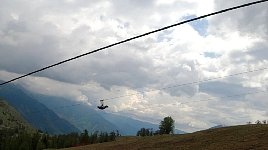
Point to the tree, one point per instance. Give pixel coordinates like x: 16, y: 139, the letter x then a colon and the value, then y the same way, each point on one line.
x: 85, y: 137
x: 117, y: 133
x: 151, y: 132
x: 145, y: 132
x: 112, y: 136
x: 258, y: 122
x: 157, y: 132
x: 167, y: 126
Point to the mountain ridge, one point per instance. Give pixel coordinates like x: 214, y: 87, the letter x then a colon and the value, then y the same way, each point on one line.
x: 45, y: 120
x: 94, y: 120
x: 10, y: 119
x: 79, y: 116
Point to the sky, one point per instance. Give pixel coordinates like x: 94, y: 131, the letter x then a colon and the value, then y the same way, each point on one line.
x: 34, y: 34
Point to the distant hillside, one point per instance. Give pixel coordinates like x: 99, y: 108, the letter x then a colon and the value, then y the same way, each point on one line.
x: 227, y: 138
x: 10, y: 119
x: 218, y: 126
x: 128, y: 125
x: 37, y: 114
x: 42, y: 112
x: 81, y: 116
x: 86, y: 117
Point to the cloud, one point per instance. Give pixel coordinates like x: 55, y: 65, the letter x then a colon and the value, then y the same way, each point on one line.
x: 199, y: 25
x: 220, y: 89
x: 51, y: 31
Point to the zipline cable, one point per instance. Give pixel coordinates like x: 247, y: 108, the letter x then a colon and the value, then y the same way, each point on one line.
x: 193, y: 101
x: 228, y: 96
x: 168, y: 87
x: 189, y: 83
x: 136, y: 37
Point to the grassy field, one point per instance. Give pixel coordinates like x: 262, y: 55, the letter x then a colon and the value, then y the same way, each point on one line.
x: 243, y: 137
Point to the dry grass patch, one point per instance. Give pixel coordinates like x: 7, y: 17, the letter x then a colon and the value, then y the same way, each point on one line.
x: 231, y: 138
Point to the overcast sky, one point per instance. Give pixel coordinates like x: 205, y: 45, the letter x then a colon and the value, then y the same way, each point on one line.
x: 37, y: 33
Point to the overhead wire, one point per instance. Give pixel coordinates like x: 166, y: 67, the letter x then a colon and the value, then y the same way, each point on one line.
x: 228, y: 96
x: 145, y: 34
x: 182, y: 103
x: 135, y: 37
x: 168, y: 87
x: 189, y: 83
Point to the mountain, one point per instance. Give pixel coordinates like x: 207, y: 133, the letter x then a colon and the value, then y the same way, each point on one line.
x: 12, y: 120
x: 127, y: 125
x: 130, y: 126
x: 218, y: 126
x: 61, y: 115
x: 37, y: 114
x: 82, y: 116
x: 177, y: 131
x: 86, y: 117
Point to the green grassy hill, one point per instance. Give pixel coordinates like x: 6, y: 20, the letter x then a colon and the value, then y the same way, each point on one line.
x: 228, y: 138
x: 10, y: 119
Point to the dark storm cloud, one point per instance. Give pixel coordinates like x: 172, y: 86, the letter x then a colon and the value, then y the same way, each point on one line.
x: 250, y: 20
x: 119, y: 69
x: 257, y: 53
x: 223, y: 89
x: 34, y: 34
x: 32, y: 43
x: 260, y: 51
x: 33, y: 52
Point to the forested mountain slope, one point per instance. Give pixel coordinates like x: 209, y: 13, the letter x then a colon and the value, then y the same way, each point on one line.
x: 37, y: 114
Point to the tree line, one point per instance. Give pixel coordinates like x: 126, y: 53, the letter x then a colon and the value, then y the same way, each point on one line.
x: 166, y: 126
x: 259, y: 122
x: 10, y: 140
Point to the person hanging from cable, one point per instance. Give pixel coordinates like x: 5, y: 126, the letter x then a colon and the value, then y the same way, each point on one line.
x: 102, y: 105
